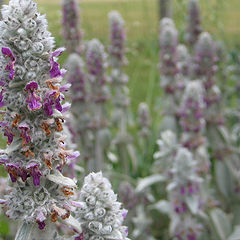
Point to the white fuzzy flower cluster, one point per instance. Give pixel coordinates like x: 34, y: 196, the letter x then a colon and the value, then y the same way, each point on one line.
x: 184, y: 195
x: 98, y: 211
x: 33, y: 95
x: 167, y: 149
x: 183, y: 62
x: 192, y: 115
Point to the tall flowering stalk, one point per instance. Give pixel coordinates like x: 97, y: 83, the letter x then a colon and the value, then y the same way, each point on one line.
x: 32, y: 95
x: 96, y: 64
x: 168, y: 37
x: 99, y: 211
x: 205, y: 69
x: 168, y: 55
x: 192, y: 115
x: 193, y: 23
x: 119, y: 85
x: 185, y: 202
x: 71, y: 26
x: 144, y: 120
x: 79, y: 118
x: 185, y: 197
x: 193, y: 123
x: 183, y: 64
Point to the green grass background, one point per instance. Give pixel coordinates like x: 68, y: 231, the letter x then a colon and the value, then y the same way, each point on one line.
x: 220, y: 17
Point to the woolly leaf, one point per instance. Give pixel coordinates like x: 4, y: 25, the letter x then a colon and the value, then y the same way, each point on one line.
x: 148, y: 181
x: 24, y: 232
x: 162, y: 206
x: 72, y: 222
x: 221, y: 223
x: 58, y: 178
x: 193, y: 203
x: 236, y: 234
x: 224, y: 179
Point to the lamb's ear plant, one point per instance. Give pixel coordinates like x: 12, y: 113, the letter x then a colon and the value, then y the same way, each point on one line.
x: 168, y: 37
x: 71, y: 31
x: 32, y: 119
x: 120, y: 98
x: 99, y: 94
x: 98, y: 210
x: 79, y: 117
x: 193, y: 23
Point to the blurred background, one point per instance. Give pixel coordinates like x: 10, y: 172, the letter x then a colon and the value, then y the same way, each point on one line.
x: 220, y: 17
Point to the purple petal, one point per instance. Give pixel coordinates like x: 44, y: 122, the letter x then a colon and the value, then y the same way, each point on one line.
x: 58, y: 52
x: 73, y: 155
x: 2, y: 201
x: 32, y: 85
x: 65, y: 87
x: 41, y: 225
x: 124, y: 213
x: 65, y: 107
x: 3, y: 123
x: 40, y: 217
x: 76, y: 204
x: 55, y: 71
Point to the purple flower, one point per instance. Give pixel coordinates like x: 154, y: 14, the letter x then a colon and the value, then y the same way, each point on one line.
x: 1, y: 99
x: 73, y: 155
x: 33, y: 100
x: 24, y: 133
x: 41, y: 225
x: 80, y: 237
x: 35, y: 173
x: 40, y: 220
x: 65, y: 87
x: 55, y: 70
x: 124, y: 214
x: 65, y: 107
x: 3, y: 201
x: 53, y: 98
x: 7, y: 52
x: 13, y: 170
x: 9, y: 134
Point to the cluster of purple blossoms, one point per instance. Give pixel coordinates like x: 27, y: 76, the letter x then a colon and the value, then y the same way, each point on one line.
x: 193, y: 22
x: 204, y: 69
x: 71, y: 26
x: 32, y: 120
x: 99, y: 94
x: 168, y: 55
x: 191, y: 115
x: 79, y: 96
x: 184, y: 194
x: 96, y: 65
x: 117, y: 38
x: 117, y: 61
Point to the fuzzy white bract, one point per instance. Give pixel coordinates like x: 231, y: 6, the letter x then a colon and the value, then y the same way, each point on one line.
x: 99, y: 211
